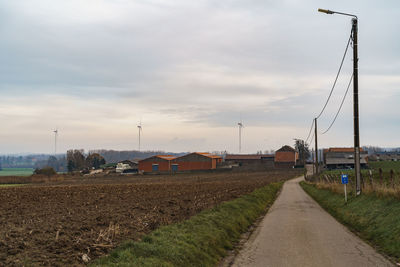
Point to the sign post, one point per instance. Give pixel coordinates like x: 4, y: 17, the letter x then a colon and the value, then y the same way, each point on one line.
x: 345, y: 181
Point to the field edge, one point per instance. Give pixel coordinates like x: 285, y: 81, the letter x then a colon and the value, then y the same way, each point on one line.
x: 374, y: 219
x: 202, y: 240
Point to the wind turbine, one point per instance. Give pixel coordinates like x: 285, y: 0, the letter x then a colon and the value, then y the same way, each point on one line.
x: 140, y: 131
x: 240, y: 135
x: 55, y: 141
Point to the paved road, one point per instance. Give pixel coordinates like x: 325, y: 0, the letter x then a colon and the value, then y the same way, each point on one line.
x: 298, y: 232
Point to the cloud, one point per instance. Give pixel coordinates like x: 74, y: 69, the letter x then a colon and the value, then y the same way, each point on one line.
x: 96, y: 68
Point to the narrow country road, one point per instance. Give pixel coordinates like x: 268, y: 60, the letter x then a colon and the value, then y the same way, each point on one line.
x: 298, y: 232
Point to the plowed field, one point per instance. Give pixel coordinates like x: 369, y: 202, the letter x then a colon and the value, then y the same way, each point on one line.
x: 56, y: 224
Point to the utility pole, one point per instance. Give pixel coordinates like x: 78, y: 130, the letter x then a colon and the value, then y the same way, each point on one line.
x: 313, y: 160
x: 355, y: 102
x: 354, y: 31
x: 316, y: 146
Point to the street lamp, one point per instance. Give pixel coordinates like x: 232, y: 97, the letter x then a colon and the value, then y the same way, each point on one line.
x: 354, y: 31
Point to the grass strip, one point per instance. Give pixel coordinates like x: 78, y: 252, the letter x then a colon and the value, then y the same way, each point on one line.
x: 200, y: 241
x: 375, y: 219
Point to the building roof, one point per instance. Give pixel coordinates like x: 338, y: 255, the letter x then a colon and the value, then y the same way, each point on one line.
x: 247, y: 157
x: 286, y: 149
x: 164, y: 157
x: 128, y: 162
x: 209, y: 155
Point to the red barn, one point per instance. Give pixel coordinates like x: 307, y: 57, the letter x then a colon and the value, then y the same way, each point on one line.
x: 158, y: 163
x: 196, y: 161
x: 286, y: 157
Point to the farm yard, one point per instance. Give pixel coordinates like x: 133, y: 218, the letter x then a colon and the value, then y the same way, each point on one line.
x: 56, y: 223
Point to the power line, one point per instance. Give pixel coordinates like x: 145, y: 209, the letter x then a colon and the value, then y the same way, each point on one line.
x: 312, y: 138
x: 312, y: 124
x: 337, y: 76
x: 341, y: 104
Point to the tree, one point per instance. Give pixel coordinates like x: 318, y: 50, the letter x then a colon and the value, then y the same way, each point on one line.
x: 75, y: 160
x: 70, y: 165
x: 53, y: 162
x: 303, y: 150
x: 94, y: 160
x: 0, y: 167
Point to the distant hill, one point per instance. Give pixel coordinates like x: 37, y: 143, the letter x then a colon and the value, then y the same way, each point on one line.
x: 41, y: 160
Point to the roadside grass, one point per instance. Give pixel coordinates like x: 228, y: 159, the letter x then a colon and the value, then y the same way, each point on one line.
x: 375, y: 218
x: 200, y: 241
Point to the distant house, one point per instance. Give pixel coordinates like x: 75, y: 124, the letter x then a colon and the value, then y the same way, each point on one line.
x: 286, y: 157
x: 343, y: 158
x: 252, y: 159
x: 385, y: 156
x: 195, y: 161
x: 158, y: 163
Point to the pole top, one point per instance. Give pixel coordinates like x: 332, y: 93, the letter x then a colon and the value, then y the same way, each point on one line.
x: 325, y: 11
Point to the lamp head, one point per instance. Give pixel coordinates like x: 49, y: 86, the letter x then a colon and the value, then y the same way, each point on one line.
x: 325, y: 11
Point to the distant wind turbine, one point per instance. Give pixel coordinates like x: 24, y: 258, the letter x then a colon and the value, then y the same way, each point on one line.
x: 140, y: 131
x: 240, y: 124
x: 55, y: 141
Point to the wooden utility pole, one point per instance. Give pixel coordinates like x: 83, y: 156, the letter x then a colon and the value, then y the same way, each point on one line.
x: 313, y: 160
x: 357, y: 168
x: 316, y: 146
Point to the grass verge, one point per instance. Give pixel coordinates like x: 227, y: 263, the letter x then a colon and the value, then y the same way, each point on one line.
x: 200, y: 241
x: 375, y: 219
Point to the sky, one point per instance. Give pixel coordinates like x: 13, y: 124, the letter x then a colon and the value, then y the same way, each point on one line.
x: 189, y: 71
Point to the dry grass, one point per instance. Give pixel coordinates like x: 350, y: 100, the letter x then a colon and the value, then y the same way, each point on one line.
x: 378, y: 189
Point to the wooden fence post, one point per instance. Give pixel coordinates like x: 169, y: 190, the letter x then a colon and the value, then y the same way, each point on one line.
x: 392, y: 177
x: 371, y: 180
x: 380, y: 176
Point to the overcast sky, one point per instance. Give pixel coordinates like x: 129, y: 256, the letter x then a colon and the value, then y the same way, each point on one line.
x: 190, y: 71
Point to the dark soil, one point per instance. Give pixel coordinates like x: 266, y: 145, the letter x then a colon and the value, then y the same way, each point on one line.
x: 56, y: 223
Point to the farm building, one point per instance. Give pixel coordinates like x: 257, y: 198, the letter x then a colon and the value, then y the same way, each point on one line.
x: 158, y: 163
x: 126, y: 166
x: 286, y: 157
x: 385, y: 156
x: 243, y: 160
x: 196, y: 161
x: 343, y: 157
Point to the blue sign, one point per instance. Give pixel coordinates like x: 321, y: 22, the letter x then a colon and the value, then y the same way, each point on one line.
x: 345, y: 179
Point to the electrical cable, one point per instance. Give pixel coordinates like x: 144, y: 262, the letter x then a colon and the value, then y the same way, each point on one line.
x: 312, y: 124
x: 312, y: 138
x: 340, y: 107
x: 337, y: 76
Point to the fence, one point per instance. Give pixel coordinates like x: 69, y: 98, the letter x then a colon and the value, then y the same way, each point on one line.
x: 377, y: 181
